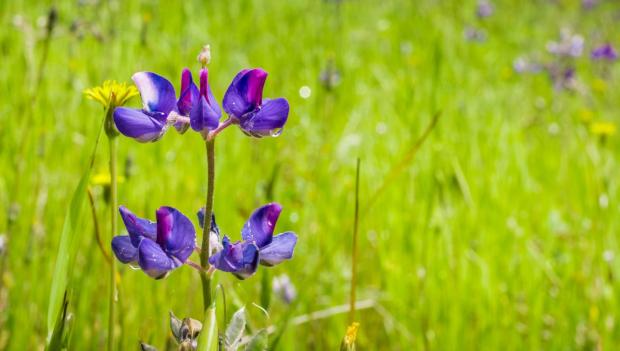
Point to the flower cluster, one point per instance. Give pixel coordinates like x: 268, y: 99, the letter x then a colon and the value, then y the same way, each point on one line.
x: 196, y: 107
x: 159, y: 247
x: 564, y: 52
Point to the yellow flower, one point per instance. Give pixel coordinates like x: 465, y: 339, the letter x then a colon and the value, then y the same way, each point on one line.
x: 599, y: 86
x: 348, y: 343
x: 111, y: 93
x: 603, y: 128
x: 104, y: 179
x: 586, y: 116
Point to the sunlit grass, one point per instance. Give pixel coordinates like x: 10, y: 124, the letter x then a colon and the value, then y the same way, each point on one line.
x: 499, y: 234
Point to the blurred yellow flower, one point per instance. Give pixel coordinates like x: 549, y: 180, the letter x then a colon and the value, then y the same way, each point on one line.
x: 111, y: 93
x: 594, y: 313
x: 599, y: 85
x: 104, y: 179
x: 603, y: 128
x: 348, y: 343
x: 586, y: 116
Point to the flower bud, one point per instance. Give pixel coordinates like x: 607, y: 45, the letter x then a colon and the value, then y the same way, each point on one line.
x: 205, y: 55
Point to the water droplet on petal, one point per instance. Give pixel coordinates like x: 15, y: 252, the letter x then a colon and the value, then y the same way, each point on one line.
x: 275, y: 132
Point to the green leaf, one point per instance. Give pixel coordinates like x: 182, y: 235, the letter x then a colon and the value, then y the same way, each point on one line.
x: 66, y: 254
x: 235, y: 329
x: 208, y: 341
x: 56, y: 339
x: 258, y: 341
x: 67, y: 250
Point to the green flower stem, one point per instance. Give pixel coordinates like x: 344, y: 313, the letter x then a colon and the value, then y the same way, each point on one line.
x: 113, y: 142
x: 204, y: 253
x: 354, y: 245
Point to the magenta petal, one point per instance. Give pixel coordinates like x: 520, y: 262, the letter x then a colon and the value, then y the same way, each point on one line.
x: 175, y: 233
x: 139, y: 125
x: 260, y: 225
x: 124, y: 250
x: 189, y: 93
x: 156, y: 91
x: 245, y: 92
x: 154, y: 261
x: 255, y: 82
x: 137, y: 227
x: 280, y: 249
x: 268, y: 120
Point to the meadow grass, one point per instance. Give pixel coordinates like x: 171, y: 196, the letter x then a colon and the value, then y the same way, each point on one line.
x: 498, y: 233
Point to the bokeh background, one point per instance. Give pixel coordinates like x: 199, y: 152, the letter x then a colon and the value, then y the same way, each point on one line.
x: 499, y: 232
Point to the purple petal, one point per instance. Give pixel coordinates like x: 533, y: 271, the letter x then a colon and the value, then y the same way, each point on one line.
x: 268, y: 120
x: 175, y: 233
x: 189, y: 93
x: 156, y: 91
x: 137, y: 227
x: 203, y: 116
x: 280, y: 249
x: 245, y: 93
x: 124, y: 250
x: 154, y: 261
x: 605, y: 52
x: 240, y: 258
x: 205, y: 113
x: 139, y: 125
x: 259, y: 228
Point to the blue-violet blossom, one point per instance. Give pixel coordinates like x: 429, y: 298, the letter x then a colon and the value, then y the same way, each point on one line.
x: 244, y: 104
x: 194, y: 107
x: 259, y: 245
x: 157, y: 248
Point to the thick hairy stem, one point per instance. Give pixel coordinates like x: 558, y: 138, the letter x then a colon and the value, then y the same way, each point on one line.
x: 204, y: 253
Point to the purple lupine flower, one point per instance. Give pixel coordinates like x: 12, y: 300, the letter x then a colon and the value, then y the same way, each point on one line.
x: 605, y: 52
x: 259, y: 245
x: 158, y: 100
x: 157, y: 248
x: 205, y: 112
x: 243, y: 102
x: 161, y: 108
x: 569, y: 45
x: 588, y: 4
x: 484, y: 9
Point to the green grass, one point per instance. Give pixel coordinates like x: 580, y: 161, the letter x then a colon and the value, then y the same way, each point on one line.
x: 493, y: 237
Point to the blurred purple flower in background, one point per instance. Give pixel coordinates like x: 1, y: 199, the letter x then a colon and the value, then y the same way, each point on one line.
x: 484, y: 9
x: 473, y: 34
x: 589, y: 4
x: 284, y: 288
x: 259, y: 245
x: 569, y: 45
x: 156, y: 248
x: 244, y: 104
x: 605, y: 52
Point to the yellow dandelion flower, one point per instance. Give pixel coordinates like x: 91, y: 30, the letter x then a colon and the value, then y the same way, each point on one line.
x: 111, y: 93
x: 603, y: 128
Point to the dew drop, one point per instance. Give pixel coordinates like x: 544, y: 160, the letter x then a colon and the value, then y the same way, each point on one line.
x: 275, y: 132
